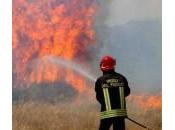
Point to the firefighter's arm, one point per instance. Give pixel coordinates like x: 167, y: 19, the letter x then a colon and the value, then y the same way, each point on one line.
x: 97, y: 90
x: 126, y: 88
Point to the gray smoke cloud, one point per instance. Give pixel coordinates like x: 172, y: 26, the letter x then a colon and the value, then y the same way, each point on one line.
x: 130, y: 31
x: 123, y: 11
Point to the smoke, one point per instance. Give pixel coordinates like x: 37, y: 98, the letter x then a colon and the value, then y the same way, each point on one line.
x: 57, y: 45
x: 64, y: 39
x: 132, y: 34
x: 135, y: 10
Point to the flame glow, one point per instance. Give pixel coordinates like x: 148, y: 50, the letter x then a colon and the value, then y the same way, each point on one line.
x: 146, y: 102
x: 60, y: 28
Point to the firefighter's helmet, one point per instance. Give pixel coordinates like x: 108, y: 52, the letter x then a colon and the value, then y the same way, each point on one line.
x: 107, y: 63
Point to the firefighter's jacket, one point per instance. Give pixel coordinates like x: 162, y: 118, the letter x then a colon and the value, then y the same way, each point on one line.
x: 111, y: 90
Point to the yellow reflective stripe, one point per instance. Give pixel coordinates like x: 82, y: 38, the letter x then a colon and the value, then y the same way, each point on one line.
x: 116, y: 114
x: 115, y: 110
x: 107, y: 99
x: 121, y: 97
x: 113, y: 113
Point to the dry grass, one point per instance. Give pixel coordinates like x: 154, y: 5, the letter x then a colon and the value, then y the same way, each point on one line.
x: 42, y: 116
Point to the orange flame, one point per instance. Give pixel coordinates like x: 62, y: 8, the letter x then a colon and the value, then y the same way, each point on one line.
x: 61, y: 28
x: 146, y: 102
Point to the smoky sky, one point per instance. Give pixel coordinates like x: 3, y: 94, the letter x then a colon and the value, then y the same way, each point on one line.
x: 123, y: 11
x: 131, y: 31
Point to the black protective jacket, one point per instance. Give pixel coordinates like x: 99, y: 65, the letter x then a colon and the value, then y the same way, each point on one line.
x: 111, y: 90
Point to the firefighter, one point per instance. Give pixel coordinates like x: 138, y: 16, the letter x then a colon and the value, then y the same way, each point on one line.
x: 111, y: 90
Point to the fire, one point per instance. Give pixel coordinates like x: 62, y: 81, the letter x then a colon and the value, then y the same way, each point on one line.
x: 146, y: 102
x: 60, y: 28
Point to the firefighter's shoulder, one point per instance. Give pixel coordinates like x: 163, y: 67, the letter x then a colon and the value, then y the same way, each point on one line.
x: 101, y: 78
x: 120, y: 75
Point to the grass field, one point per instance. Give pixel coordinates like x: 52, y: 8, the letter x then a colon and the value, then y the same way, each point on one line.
x: 70, y: 116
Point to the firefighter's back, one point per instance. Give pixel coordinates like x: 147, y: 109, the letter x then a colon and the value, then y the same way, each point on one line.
x: 111, y: 89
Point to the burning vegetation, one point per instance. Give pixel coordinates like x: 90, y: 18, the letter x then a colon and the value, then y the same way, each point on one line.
x: 59, y: 28
x: 146, y: 102
x: 49, y: 37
